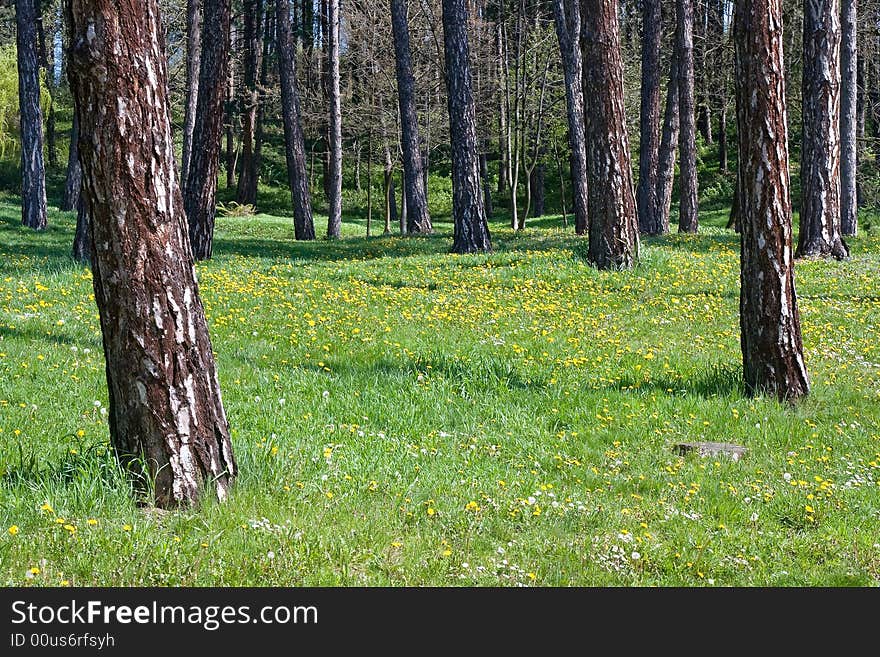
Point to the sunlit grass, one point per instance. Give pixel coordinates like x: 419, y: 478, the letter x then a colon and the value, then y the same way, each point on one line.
x: 402, y: 416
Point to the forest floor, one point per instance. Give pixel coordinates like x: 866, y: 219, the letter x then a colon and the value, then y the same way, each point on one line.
x: 402, y: 416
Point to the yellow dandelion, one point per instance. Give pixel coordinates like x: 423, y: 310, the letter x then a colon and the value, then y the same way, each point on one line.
x: 126, y: 528
x: 92, y: 522
x: 13, y: 530
x: 329, y: 494
x: 47, y: 507
x: 431, y: 511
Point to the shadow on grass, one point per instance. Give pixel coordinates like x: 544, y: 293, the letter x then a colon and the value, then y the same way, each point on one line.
x: 717, y: 381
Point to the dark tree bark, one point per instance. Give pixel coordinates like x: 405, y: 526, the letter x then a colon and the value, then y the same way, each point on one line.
x: 248, y: 176
x: 166, y: 414
x: 229, y: 108
x: 269, y: 42
x: 193, y: 64
x: 294, y: 144
x: 73, y: 179
x: 687, y: 135
x: 201, y: 186
x: 418, y: 218
x: 614, y: 231
x: 773, y: 360
x: 568, y: 28
x: 668, y: 153
x: 820, y: 142
x: 334, y: 196
x: 82, y: 238
x: 33, y: 170
x: 649, y: 118
x: 470, y: 228
x: 536, y: 190
x: 848, y: 117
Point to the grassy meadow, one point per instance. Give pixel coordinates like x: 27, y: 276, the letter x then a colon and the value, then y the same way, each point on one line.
x: 402, y: 416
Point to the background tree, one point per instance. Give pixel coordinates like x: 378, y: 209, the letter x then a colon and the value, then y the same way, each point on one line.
x: 649, y: 144
x: 773, y: 360
x: 252, y: 42
x: 334, y: 223
x: 165, y: 405
x: 687, y: 135
x: 614, y: 234
x: 848, y: 117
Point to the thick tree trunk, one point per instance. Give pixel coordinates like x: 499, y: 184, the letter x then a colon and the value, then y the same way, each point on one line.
x: 649, y: 118
x: 249, y: 99
x: 33, y: 171
x: 201, y: 186
x: 334, y: 196
x: 820, y: 142
x: 614, y: 231
x: 568, y: 28
x: 165, y: 410
x: 193, y: 65
x: 668, y: 153
x: 294, y: 143
x: 687, y: 135
x: 73, y: 179
x: 773, y: 360
x: 470, y: 228
x: 848, y: 118
x: 418, y: 219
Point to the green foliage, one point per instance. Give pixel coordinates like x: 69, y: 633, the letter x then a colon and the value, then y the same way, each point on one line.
x: 9, y: 128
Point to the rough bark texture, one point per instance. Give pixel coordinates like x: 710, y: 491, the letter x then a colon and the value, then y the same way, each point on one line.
x: 649, y: 118
x: 668, y: 153
x: 33, y: 171
x: 165, y: 411
x: 687, y: 135
x: 246, y: 193
x: 848, y: 118
x: 568, y: 28
x: 201, y: 185
x: 470, y: 228
x: 334, y: 182
x: 820, y: 143
x: 193, y: 64
x: 614, y: 232
x: 773, y: 359
x: 294, y: 144
x: 73, y: 179
x: 418, y: 219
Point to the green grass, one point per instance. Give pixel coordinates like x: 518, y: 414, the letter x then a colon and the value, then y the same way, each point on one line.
x: 402, y: 416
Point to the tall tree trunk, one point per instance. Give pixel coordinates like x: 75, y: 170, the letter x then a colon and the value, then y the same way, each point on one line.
x: 165, y: 410
x: 193, y: 64
x: 861, y: 122
x: 229, y: 110
x: 722, y: 136
x: 82, y: 238
x: 334, y: 198
x: 73, y: 179
x: 649, y: 148
x: 848, y: 118
x: 536, y: 187
x: 294, y: 143
x: 614, y: 230
x: 820, y: 142
x: 687, y: 135
x: 668, y: 152
x: 567, y: 14
x: 269, y: 41
x: 470, y: 228
x: 45, y: 58
x: 503, y: 165
x: 773, y: 360
x: 246, y: 193
x: 201, y: 187
x: 418, y: 219
x: 487, y: 185
x: 33, y: 171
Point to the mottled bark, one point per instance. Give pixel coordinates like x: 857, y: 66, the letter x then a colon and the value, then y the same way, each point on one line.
x: 614, y: 231
x: 820, y: 141
x: 193, y: 64
x: 687, y: 134
x: 567, y: 14
x: 73, y: 179
x: 334, y: 182
x: 470, y: 228
x: 667, y: 154
x: 773, y: 360
x: 649, y: 118
x: 848, y: 118
x: 249, y: 100
x: 418, y: 218
x: 166, y: 416
x: 201, y: 186
x: 294, y: 144
x: 33, y: 171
